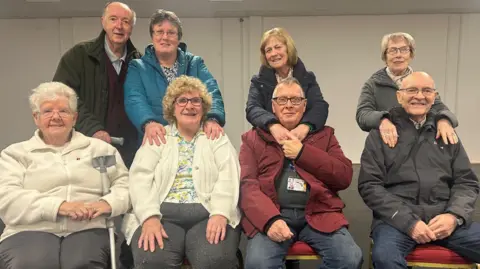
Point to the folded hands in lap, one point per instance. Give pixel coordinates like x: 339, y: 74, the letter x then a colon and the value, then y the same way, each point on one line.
x: 84, y: 211
x: 438, y: 228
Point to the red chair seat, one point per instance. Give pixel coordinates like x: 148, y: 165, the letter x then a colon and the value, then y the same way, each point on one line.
x: 300, y: 248
x: 435, y: 254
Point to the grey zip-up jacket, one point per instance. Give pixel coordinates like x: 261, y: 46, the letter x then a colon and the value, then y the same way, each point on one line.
x: 379, y: 96
x: 418, y: 179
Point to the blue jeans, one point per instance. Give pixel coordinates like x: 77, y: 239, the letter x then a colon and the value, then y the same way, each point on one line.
x: 392, y: 246
x: 338, y: 249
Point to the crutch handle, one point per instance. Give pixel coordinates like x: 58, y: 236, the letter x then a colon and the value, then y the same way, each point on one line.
x: 117, y: 140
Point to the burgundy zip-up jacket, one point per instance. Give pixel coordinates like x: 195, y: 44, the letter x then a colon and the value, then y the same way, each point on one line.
x: 321, y: 163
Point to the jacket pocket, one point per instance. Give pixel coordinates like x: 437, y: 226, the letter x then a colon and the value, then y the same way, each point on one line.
x: 440, y: 192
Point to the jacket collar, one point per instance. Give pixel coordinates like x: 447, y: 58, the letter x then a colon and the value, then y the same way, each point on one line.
x: 151, y: 58
x: 266, y: 136
x: 97, y: 49
x: 77, y: 141
x: 382, y: 78
x: 400, y: 117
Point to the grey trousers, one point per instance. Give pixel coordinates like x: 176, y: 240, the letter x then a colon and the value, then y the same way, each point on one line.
x: 186, y: 226
x: 87, y: 249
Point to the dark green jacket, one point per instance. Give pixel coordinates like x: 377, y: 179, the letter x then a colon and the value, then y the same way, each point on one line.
x: 83, y: 68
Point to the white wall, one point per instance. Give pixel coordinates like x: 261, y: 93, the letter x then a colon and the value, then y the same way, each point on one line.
x: 342, y: 51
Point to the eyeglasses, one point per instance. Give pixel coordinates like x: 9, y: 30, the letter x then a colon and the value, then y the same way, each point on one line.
x: 284, y: 100
x: 169, y: 33
x: 415, y: 91
x: 183, y: 101
x: 51, y: 113
x: 402, y: 50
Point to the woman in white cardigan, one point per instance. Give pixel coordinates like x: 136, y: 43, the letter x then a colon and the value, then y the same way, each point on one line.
x: 185, y: 192
x: 51, y: 195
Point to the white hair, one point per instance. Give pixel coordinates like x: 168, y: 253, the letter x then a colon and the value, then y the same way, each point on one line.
x: 289, y: 81
x: 50, y: 91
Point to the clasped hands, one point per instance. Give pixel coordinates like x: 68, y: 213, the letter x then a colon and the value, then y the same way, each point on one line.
x: 290, y: 140
x: 440, y: 227
x: 84, y: 211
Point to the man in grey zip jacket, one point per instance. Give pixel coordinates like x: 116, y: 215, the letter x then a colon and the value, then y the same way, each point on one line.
x: 421, y: 191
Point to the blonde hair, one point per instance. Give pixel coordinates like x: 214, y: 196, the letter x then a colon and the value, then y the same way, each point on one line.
x: 283, y: 36
x: 181, y: 85
x: 396, y: 37
x: 50, y: 91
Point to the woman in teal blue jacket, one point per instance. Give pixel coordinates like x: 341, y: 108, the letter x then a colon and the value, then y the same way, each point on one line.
x: 148, y: 78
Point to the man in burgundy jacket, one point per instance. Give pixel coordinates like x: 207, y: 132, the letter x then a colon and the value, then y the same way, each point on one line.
x: 289, y: 190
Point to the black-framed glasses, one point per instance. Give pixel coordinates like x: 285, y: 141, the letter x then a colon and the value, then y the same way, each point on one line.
x: 415, y: 91
x: 284, y: 100
x: 183, y: 101
x: 402, y: 50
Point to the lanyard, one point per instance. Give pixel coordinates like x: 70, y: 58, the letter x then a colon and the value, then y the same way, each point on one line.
x: 291, y: 166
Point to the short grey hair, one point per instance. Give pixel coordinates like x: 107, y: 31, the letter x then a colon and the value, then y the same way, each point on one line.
x: 287, y: 82
x: 162, y: 15
x: 395, y: 37
x: 134, y: 14
x: 50, y: 91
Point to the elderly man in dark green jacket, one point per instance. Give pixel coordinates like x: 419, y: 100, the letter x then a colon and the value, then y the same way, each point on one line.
x: 96, y: 70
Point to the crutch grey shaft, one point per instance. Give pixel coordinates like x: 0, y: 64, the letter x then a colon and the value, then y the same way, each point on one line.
x: 101, y: 163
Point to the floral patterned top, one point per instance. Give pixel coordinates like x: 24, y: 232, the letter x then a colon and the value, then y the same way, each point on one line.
x: 170, y: 72
x: 183, y: 189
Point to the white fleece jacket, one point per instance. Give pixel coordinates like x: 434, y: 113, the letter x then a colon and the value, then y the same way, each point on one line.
x: 36, y: 178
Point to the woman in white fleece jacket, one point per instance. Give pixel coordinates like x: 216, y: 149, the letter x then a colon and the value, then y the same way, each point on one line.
x: 185, y: 192
x: 51, y: 196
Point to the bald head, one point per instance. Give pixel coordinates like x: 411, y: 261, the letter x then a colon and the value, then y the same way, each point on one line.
x: 417, y: 77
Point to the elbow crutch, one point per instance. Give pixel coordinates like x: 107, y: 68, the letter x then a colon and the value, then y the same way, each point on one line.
x: 101, y: 163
